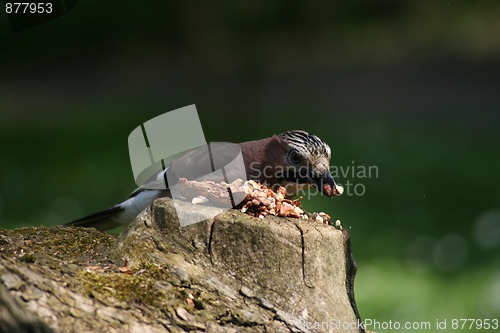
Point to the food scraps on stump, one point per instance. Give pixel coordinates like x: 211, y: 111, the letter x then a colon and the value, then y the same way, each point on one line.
x: 259, y: 200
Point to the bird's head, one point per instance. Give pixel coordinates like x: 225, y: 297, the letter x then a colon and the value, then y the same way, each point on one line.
x: 307, y: 162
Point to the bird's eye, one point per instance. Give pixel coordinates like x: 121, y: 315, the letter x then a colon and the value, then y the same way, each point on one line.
x: 295, y: 157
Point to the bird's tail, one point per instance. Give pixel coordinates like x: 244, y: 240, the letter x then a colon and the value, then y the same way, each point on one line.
x: 104, y: 220
x: 122, y: 213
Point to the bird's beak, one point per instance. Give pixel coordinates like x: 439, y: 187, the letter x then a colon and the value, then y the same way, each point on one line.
x: 327, y: 185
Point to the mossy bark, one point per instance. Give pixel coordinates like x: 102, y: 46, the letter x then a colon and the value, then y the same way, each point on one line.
x: 232, y: 273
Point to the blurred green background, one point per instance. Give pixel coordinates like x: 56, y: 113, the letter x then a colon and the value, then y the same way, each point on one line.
x: 412, y: 88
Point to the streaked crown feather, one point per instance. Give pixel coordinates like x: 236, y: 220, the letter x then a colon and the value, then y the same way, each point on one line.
x: 306, y: 143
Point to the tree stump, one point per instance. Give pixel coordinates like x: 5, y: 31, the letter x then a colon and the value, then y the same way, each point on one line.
x: 231, y: 273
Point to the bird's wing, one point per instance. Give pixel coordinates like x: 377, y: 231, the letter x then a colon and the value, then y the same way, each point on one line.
x: 200, y: 164
x: 204, y: 161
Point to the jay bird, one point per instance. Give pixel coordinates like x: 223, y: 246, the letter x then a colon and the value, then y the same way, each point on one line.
x: 292, y: 159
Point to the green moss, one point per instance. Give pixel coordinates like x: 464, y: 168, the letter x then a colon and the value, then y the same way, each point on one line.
x: 66, y: 243
x: 142, y: 287
x: 28, y: 258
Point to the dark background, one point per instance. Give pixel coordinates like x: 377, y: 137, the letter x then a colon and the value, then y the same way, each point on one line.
x: 412, y: 88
